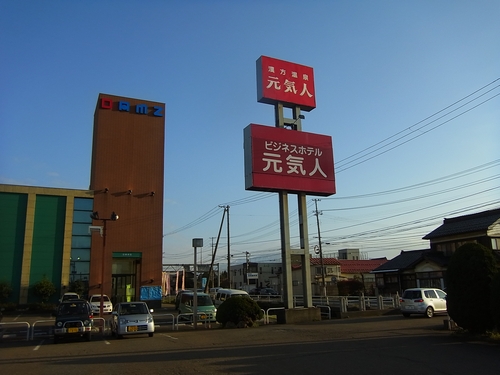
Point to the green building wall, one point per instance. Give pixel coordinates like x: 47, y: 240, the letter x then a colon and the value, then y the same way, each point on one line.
x: 48, y: 242
x: 12, y: 228
x: 36, y: 237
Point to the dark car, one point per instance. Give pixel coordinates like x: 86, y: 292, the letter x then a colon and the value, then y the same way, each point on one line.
x: 74, y: 318
x: 263, y: 292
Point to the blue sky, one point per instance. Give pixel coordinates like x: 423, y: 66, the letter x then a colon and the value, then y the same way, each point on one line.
x: 407, y: 90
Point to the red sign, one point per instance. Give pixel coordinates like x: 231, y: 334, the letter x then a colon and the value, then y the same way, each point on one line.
x: 279, y: 159
x: 284, y: 82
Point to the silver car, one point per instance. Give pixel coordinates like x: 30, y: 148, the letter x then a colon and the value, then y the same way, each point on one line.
x: 426, y: 301
x: 130, y: 318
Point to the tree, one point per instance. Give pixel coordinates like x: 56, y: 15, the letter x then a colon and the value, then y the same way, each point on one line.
x: 44, y: 289
x: 468, y: 279
x: 5, y: 290
x: 77, y: 286
x: 350, y: 287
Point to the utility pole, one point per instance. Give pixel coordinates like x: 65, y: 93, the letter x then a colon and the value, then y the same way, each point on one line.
x: 214, y: 251
x: 226, y: 210
x: 317, y: 213
x: 228, y: 250
x: 248, y: 266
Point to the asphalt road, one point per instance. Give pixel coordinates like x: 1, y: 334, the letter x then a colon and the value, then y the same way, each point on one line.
x: 372, y: 345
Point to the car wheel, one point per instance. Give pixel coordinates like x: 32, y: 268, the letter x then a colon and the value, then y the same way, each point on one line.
x: 88, y: 336
x: 56, y: 339
x: 150, y: 334
x: 429, y: 312
x: 406, y: 315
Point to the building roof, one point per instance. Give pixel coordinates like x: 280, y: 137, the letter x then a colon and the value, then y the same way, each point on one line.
x: 408, y: 259
x: 360, y: 266
x: 326, y: 261
x: 481, y: 221
x: 402, y: 261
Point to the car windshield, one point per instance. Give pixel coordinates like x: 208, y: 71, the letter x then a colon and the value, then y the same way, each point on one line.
x: 72, y: 309
x: 205, y: 301
x: 69, y: 297
x: 98, y: 299
x: 412, y: 294
x: 133, y: 308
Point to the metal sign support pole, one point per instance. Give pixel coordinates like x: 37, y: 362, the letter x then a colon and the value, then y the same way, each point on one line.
x: 286, y: 251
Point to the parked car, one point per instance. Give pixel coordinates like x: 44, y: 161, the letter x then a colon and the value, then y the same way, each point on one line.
x: 68, y: 296
x: 205, y: 306
x: 181, y: 292
x: 426, y: 301
x: 95, y: 301
x: 130, y: 318
x: 73, y: 318
x: 223, y: 294
x: 263, y: 292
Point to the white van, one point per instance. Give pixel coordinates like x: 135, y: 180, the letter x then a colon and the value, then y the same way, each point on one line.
x: 223, y: 294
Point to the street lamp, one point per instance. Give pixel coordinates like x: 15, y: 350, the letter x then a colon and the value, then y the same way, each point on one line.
x: 95, y: 216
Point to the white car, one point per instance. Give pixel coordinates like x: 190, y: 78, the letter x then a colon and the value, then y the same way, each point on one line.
x: 68, y: 296
x: 95, y: 302
x: 426, y: 301
x: 131, y: 318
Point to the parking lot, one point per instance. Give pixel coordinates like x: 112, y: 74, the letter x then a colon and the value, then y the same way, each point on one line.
x: 370, y: 345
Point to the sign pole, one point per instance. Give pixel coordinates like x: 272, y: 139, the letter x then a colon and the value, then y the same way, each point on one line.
x: 197, y: 242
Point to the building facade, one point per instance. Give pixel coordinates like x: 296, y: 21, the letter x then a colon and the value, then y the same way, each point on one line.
x: 43, y: 234
x: 68, y: 235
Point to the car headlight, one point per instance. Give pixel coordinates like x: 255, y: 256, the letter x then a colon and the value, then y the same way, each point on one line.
x: 123, y: 321
x: 59, y: 324
x: 150, y: 319
x: 86, y: 322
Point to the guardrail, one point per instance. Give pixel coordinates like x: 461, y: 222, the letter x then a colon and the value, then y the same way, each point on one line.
x: 207, y: 321
x: 347, y: 303
x: 32, y: 336
x: 328, y: 308
x: 266, y: 316
x: 171, y: 315
x: 101, y: 327
x: 17, y: 323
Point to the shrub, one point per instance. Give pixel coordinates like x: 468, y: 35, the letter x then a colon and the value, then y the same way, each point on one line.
x: 5, y: 291
x: 44, y: 289
x: 350, y: 287
x: 240, y: 311
x: 495, y: 301
x: 468, y: 280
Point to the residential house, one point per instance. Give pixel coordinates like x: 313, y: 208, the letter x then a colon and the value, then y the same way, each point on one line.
x: 336, y: 270
x: 360, y: 270
x: 427, y: 268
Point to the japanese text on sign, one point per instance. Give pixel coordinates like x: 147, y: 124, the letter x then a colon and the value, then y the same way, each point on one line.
x: 277, y: 159
x: 284, y: 82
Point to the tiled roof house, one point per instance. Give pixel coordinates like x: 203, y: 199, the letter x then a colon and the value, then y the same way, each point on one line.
x: 427, y: 268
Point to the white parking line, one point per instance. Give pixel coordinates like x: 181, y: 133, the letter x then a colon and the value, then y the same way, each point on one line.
x: 170, y: 337
x: 38, y: 346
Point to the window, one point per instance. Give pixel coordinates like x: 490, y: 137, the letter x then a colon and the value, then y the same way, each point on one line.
x: 83, y: 204
x: 430, y: 294
x: 495, y: 243
x: 441, y: 294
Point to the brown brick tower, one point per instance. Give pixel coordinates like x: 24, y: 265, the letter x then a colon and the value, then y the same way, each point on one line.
x: 127, y: 175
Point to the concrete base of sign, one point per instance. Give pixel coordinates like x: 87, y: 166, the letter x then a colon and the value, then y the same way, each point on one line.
x: 298, y: 315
